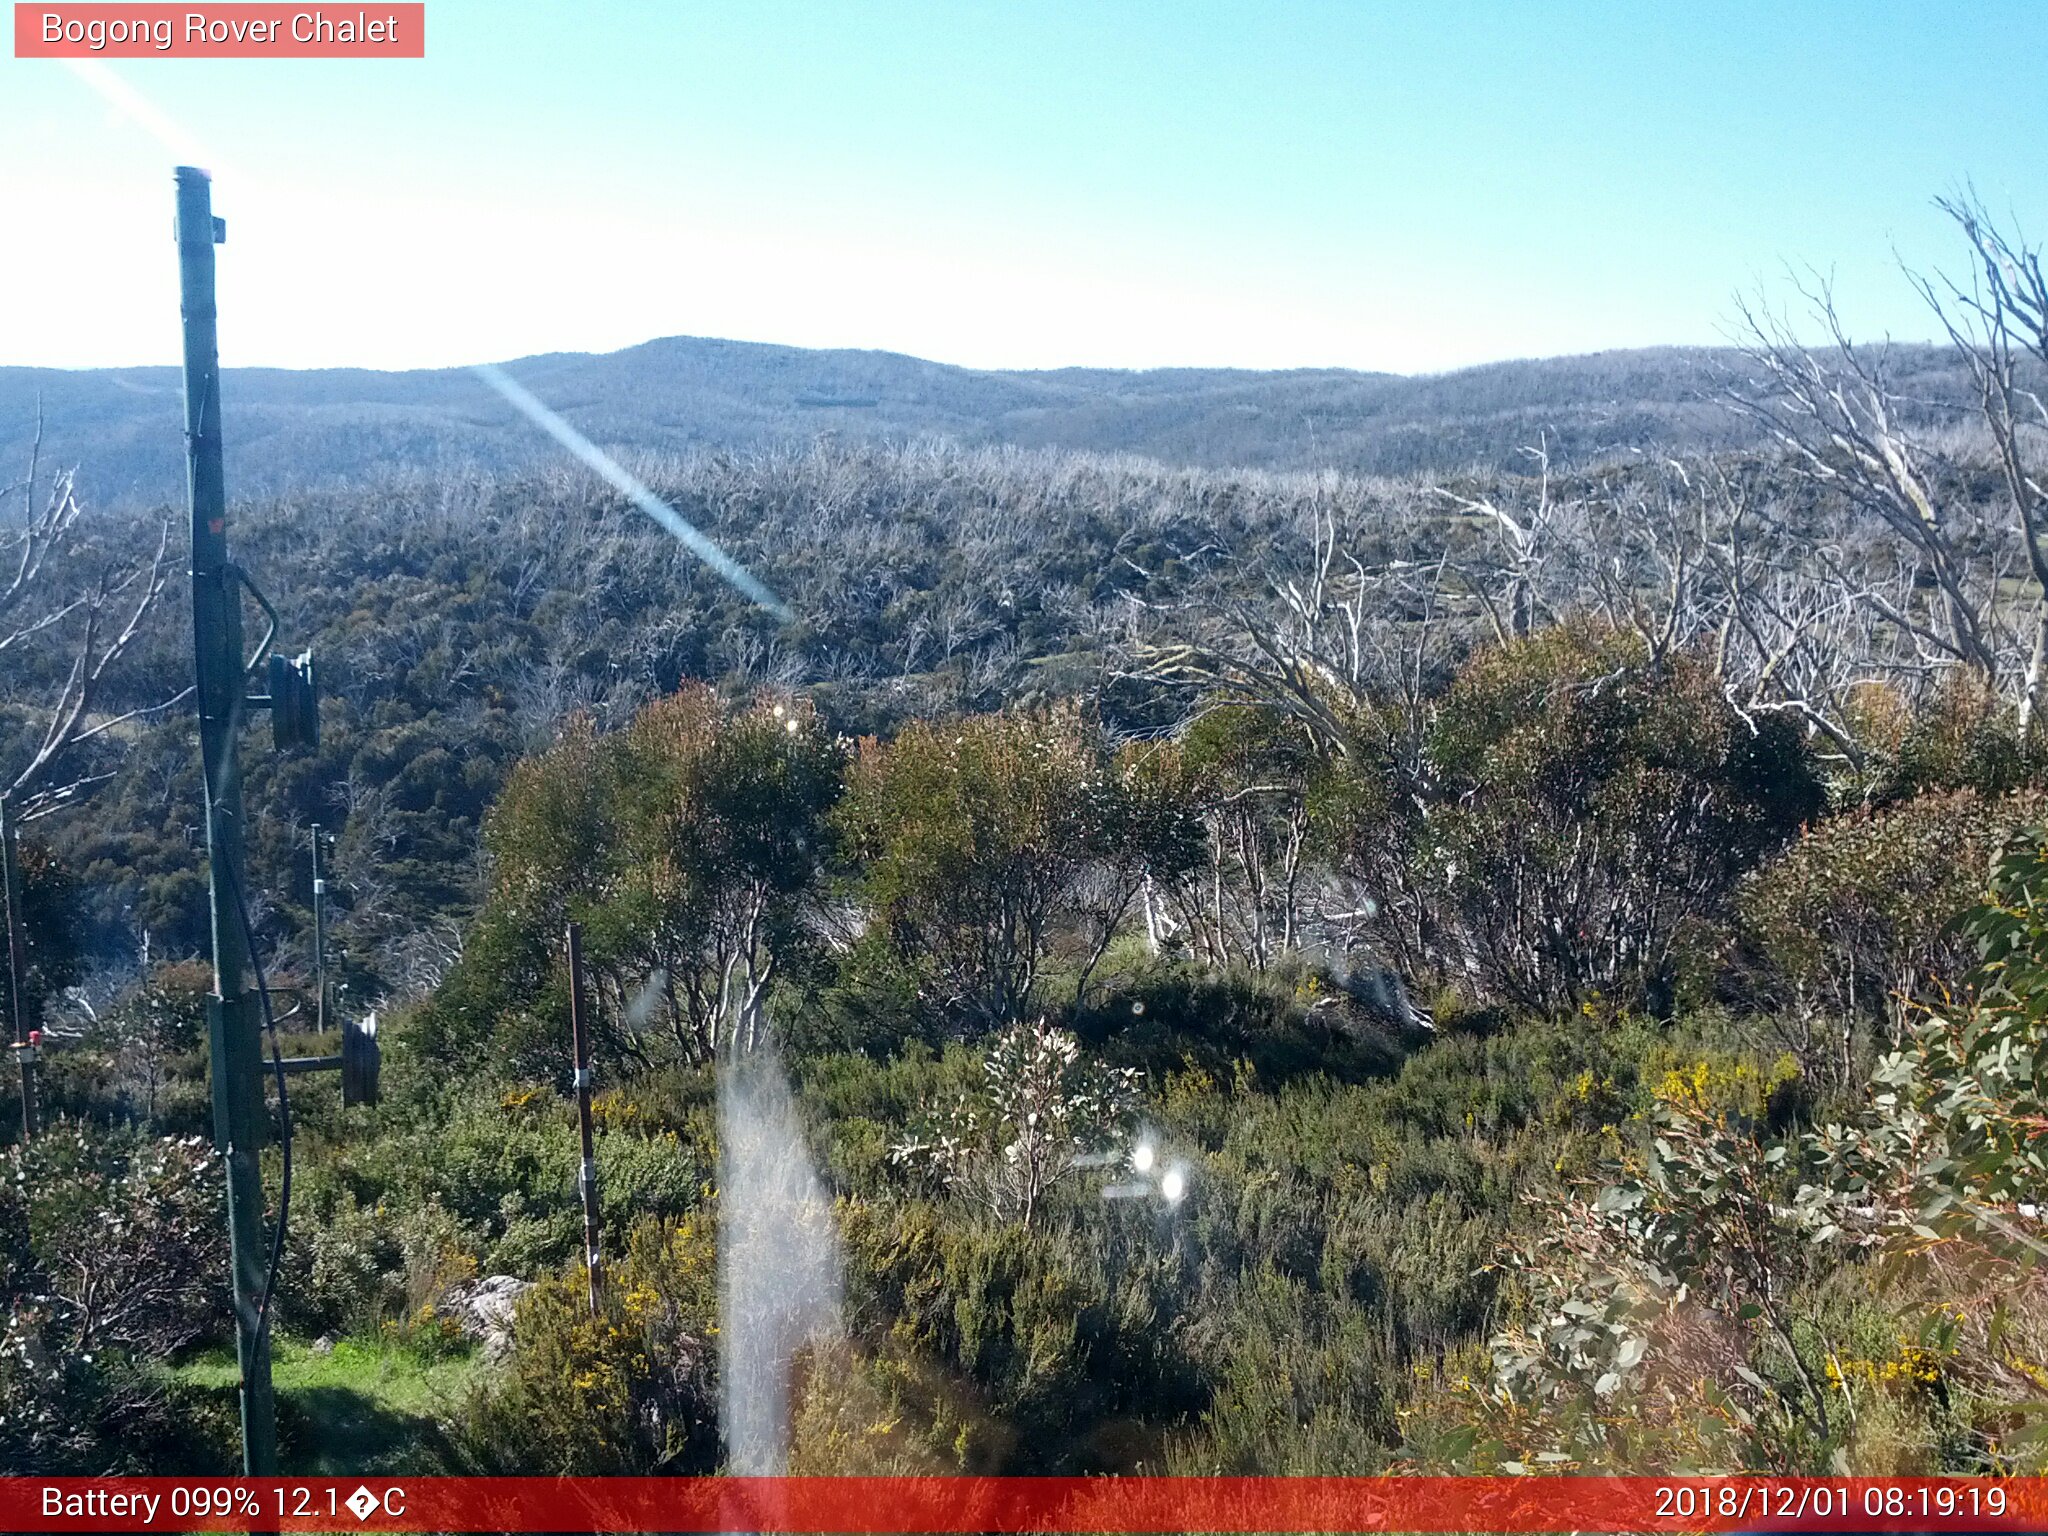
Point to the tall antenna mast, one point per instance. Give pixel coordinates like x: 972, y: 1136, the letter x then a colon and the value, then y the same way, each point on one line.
x: 236, y: 1015
x: 233, y: 1018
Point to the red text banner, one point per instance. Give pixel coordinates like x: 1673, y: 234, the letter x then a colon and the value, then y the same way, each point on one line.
x: 239, y: 31
x: 916, y: 1506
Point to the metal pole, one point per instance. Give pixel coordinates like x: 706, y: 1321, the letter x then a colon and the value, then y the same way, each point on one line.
x: 232, y: 1015
x: 10, y: 893
x: 579, y: 1043
x: 319, y: 939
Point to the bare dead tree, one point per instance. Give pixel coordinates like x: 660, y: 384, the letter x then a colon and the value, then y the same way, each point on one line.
x: 43, y: 532
x: 1524, y: 540
x: 98, y: 614
x: 1787, y: 631
x: 1315, y: 649
x: 40, y: 788
x: 1999, y: 325
x: 1843, y: 428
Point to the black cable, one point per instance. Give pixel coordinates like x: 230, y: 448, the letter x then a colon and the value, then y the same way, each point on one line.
x: 232, y: 577
x: 284, y: 1110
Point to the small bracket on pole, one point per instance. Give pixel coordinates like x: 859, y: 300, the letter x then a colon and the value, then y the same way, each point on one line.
x: 362, y: 1060
x: 293, y: 699
x: 294, y: 703
x: 360, y: 1063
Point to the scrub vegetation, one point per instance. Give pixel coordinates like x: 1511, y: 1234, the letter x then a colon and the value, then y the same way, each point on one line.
x: 1573, y: 935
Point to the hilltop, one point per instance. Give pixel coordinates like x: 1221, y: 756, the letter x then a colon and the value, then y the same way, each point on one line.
x: 294, y: 429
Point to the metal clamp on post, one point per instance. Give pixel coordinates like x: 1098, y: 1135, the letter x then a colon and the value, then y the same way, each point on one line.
x: 293, y: 699
x: 233, y: 1026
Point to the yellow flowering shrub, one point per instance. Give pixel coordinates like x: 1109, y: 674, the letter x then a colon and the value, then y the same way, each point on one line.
x: 628, y: 1390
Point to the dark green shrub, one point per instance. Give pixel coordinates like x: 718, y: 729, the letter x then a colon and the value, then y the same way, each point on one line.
x: 1171, y: 1016
x: 689, y: 846
x: 113, y: 1254
x: 1587, y: 803
x: 1305, y: 1385
x: 1964, y: 737
x: 1853, y: 919
x: 986, y: 847
x: 1023, y: 1350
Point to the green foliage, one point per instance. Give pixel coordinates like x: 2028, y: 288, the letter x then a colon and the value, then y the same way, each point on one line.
x: 1950, y: 1144
x: 1661, y: 1322
x: 1251, y: 774
x: 346, y: 1407
x: 365, y: 1268
x: 461, y: 622
x: 51, y: 947
x: 480, y: 1180
x: 119, y: 1231
x: 112, y: 1254
x: 1166, y: 1016
x: 1041, y: 1107
x: 1589, y: 803
x: 1963, y: 737
x: 1641, y: 1305
x: 972, y: 841
x: 691, y: 848
x: 1024, y: 1349
x: 1854, y: 918
x: 1554, y: 834
x: 145, y: 1053
x: 1305, y: 1386
x: 1334, y: 1236
x: 629, y: 1391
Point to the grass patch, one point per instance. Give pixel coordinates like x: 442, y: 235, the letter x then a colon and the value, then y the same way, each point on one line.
x: 365, y: 1406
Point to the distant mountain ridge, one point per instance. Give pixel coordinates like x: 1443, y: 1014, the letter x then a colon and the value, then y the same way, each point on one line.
x: 287, y: 428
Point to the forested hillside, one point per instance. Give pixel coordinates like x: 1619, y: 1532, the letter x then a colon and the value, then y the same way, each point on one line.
x: 339, y: 426
x: 1530, y: 967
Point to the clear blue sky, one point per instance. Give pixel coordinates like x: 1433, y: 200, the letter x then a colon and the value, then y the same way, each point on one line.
x: 1029, y: 184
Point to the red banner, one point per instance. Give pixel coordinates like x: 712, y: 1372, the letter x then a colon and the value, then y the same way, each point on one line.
x: 1003, y: 1504
x: 262, y: 31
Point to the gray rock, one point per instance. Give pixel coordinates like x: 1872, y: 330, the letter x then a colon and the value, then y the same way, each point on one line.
x: 485, y: 1308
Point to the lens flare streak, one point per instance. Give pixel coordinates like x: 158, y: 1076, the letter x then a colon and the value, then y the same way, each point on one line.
x: 735, y: 574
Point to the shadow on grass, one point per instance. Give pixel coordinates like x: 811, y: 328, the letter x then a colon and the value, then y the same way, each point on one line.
x: 359, y: 1408
x: 330, y: 1431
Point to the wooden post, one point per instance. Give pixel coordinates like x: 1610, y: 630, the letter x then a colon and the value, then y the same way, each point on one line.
x: 579, y: 1041
x: 17, y: 1006
x: 319, y: 940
